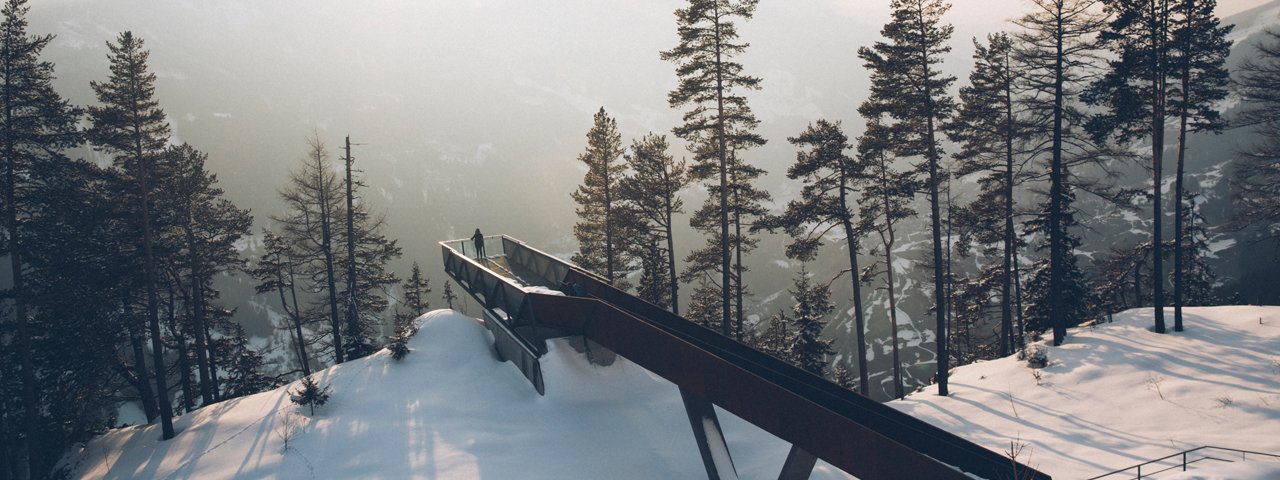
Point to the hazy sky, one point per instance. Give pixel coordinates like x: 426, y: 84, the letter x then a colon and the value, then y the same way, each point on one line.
x: 467, y: 103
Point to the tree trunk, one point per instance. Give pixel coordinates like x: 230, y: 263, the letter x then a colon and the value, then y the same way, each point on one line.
x: 184, y: 365
x: 671, y: 249
x: 1157, y: 164
x: 1007, y: 344
x: 939, y: 285
x: 297, y: 324
x: 859, y: 321
x: 153, y: 300
x: 353, y: 323
x: 197, y: 314
x: 145, y: 394
x: 1057, y: 247
x: 326, y: 244
x: 1177, y: 200
x: 724, y: 180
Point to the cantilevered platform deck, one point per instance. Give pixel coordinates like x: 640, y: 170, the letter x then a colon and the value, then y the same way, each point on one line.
x: 522, y: 291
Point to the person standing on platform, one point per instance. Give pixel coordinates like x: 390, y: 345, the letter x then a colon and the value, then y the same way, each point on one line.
x: 478, y: 240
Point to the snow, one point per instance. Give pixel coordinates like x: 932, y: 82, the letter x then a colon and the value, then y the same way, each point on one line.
x: 1117, y: 395
x: 1113, y: 396
x: 448, y: 410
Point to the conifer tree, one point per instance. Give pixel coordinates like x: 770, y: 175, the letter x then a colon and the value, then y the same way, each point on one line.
x: 313, y: 202
x: 1056, y: 46
x: 448, y: 296
x: 805, y: 343
x: 1134, y: 91
x: 414, y: 300
x: 203, y: 230
x: 599, y: 228
x: 129, y: 124
x: 991, y: 136
x: 416, y: 288
x: 885, y: 201
x: 1257, y: 173
x: 827, y: 203
x: 908, y: 87
x: 244, y: 365
x: 717, y: 125
x: 704, y: 305
x: 276, y: 272
x: 1200, y: 49
x: 374, y: 252
x: 1198, y: 277
x: 35, y: 122
x: 651, y: 194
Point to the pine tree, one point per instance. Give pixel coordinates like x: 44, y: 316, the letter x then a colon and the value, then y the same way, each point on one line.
x: 1257, y: 171
x: 448, y: 295
x: 1044, y: 299
x: 1198, y: 278
x: 130, y: 124
x: 34, y: 122
x: 991, y: 136
x: 78, y: 240
x: 885, y: 201
x: 651, y: 194
x: 599, y: 230
x: 704, y: 305
x: 831, y: 178
x: 244, y: 365
x: 203, y: 230
x: 416, y: 288
x: 805, y: 343
x: 717, y: 125
x: 310, y: 394
x: 1135, y: 90
x: 374, y: 252
x: 314, y: 202
x: 276, y: 272
x: 1055, y: 48
x: 1200, y: 50
x: 908, y: 86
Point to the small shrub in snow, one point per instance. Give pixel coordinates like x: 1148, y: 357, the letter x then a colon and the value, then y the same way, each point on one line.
x: 1036, y: 356
x: 399, y: 347
x: 310, y: 394
x: 287, y: 428
x: 1153, y: 383
x: 1225, y: 402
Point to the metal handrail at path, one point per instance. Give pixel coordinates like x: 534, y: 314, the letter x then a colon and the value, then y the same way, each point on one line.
x: 820, y: 419
x: 1189, y: 457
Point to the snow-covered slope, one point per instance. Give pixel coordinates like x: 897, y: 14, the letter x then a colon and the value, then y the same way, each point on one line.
x: 1113, y: 396
x: 448, y: 410
x: 1118, y: 394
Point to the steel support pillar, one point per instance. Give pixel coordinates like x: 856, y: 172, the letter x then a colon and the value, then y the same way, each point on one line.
x: 799, y: 465
x: 706, y: 431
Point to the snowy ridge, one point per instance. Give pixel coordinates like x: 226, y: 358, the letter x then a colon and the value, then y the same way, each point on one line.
x: 1115, y: 395
x: 448, y: 410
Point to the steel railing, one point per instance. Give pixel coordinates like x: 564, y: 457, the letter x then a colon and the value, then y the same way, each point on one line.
x: 1187, y: 457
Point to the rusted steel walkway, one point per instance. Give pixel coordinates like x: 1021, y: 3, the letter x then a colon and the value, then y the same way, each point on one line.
x: 522, y: 291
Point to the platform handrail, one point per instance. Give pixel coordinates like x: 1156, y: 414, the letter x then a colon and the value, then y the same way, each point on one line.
x: 1184, y: 462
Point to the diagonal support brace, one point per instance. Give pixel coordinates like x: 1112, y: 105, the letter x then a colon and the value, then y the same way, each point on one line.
x: 706, y: 431
x: 799, y: 465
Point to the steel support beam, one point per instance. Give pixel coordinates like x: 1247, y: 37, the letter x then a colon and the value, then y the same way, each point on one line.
x: 799, y: 465
x: 706, y: 431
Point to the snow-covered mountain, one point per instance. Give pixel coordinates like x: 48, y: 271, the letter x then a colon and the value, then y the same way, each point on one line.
x: 1115, y: 395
